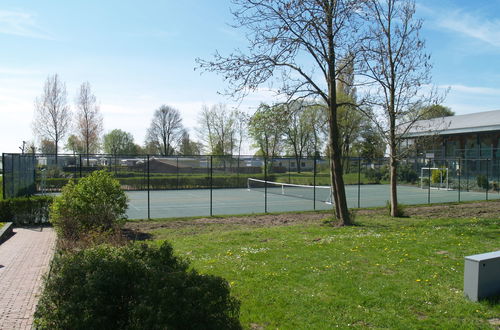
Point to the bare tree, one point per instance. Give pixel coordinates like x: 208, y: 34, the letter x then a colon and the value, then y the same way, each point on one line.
x: 298, y: 129
x: 395, y: 62
x: 166, y: 130
x: 240, y: 127
x: 89, y: 120
x: 295, y: 44
x: 217, y: 129
x: 52, y: 113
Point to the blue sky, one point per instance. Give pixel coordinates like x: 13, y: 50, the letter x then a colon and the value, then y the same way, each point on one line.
x: 138, y: 55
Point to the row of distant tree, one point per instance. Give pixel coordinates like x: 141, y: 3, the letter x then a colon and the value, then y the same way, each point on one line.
x: 298, y: 128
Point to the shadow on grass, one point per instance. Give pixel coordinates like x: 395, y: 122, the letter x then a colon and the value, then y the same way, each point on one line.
x: 136, y: 235
x: 492, y: 301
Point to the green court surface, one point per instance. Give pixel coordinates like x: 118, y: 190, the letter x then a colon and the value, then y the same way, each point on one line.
x: 196, y: 202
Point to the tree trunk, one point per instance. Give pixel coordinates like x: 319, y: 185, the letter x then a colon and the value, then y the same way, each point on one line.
x: 337, y: 180
x: 56, y: 145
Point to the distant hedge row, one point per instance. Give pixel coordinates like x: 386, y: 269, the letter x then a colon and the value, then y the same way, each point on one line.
x: 172, y: 182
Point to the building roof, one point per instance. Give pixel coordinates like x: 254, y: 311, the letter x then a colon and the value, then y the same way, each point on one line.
x: 471, y: 123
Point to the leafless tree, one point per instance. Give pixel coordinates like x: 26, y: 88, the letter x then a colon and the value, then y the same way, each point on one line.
x: 295, y: 44
x: 89, y: 120
x: 394, y: 60
x: 240, y: 127
x: 298, y: 129
x: 217, y: 129
x: 166, y: 130
x: 52, y: 113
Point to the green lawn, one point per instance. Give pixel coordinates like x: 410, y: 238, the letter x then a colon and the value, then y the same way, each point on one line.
x: 396, y: 273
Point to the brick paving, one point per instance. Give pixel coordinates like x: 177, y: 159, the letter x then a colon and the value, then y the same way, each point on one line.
x: 24, y: 259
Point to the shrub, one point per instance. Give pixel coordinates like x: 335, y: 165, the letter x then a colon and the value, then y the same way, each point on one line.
x: 482, y: 182
x: 406, y: 173
x: 133, y: 287
x: 438, y: 176
x: 95, y: 203
x: 26, y: 210
x: 377, y: 174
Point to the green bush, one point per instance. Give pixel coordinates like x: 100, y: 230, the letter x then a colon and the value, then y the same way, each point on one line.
x: 26, y: 210
x: 406, y: 173
x: 1, y: 187
x: 483, y: 182
x: 438, y: 176
x: 96, y: 203
x: 376, y: 175
x: 133, y: 287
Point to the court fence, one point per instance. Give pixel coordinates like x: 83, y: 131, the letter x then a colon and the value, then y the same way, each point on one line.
x: 306, y: 178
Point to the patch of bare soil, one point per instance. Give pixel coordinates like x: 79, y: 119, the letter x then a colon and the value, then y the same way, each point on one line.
x: 267, y: 220
x: 485, y: 209
x: 489, y: 209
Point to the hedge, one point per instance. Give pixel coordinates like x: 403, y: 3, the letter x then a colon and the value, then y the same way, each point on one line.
x: 137, y: 286
x: 183, y: 181
x: 26, y: 210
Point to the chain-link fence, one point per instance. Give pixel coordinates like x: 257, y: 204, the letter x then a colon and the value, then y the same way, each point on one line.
x: 173, y: 186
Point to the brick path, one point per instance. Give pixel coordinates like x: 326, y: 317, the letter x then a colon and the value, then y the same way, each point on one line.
x: 24, y: 258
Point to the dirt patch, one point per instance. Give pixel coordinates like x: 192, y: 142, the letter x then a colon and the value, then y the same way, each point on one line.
x: 489, y: 209
x: 267, y: 220
x: 485, y: 209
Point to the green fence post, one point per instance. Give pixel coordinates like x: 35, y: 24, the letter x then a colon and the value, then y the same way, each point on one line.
x: 149, y: 201
x: 289, y: 171
x: 467, y: 174
x: 80, y: 164
x: 487, y: 178
x: 211, y: 185
x: 429, y: 184
x: 3, y: 175
x: 459, y: 178
x: 265, y: 184
x: 314, y: 184
x: 359, y: 182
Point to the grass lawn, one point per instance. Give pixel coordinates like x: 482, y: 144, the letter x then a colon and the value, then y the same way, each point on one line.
x: 383, y: 272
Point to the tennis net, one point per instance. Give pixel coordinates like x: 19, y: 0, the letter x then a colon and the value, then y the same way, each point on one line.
x: 320, y: 193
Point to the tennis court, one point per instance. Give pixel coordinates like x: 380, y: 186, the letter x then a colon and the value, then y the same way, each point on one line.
x: 196, y: 202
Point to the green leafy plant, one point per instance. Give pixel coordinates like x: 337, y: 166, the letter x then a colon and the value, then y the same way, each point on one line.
x: 133, y: 287
x: 438, y: 176
x: 26, y: 210
x: 483, y: 182
x: 96, y: 202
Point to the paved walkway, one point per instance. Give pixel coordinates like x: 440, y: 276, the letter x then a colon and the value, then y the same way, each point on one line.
x: 24, y: 258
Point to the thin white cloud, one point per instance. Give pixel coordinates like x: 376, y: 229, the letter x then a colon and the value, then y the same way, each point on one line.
x: 21, y: 24
x: 473, y: 90
x: 472, y: 25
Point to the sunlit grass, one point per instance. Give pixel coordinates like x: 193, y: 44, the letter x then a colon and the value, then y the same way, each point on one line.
x: 402, y: 273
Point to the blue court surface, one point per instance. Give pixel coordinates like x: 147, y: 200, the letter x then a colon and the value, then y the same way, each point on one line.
x: 196, y: 202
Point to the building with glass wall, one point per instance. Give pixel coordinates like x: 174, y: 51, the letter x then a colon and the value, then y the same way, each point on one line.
x: 471, y: 136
